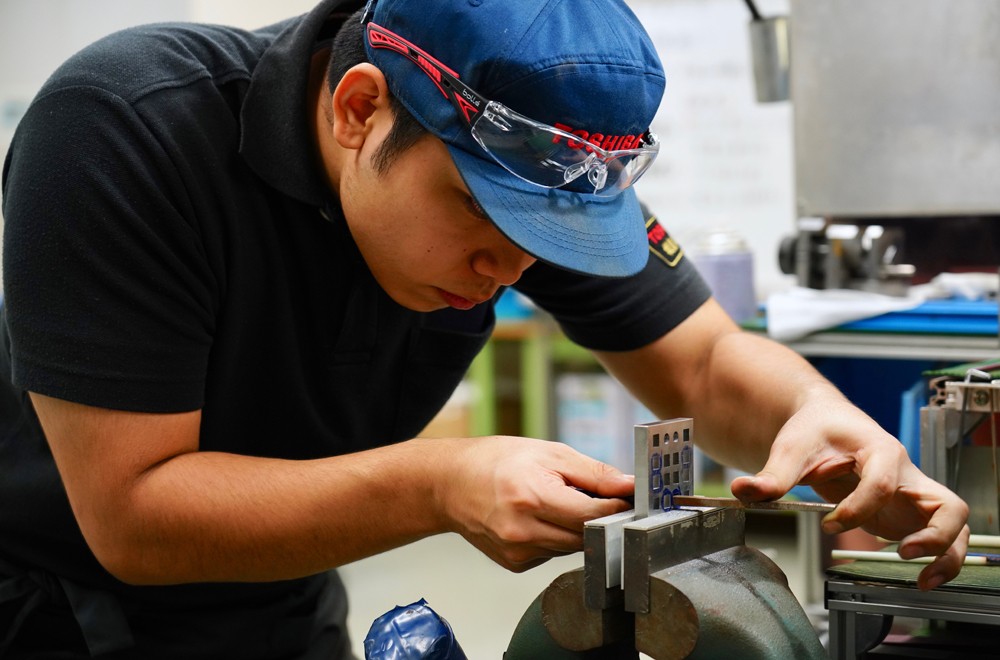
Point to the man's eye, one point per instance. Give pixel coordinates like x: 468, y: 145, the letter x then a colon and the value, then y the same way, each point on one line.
x: 475, y: 208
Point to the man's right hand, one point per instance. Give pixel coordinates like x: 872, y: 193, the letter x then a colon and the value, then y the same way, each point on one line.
x: 519, y: 500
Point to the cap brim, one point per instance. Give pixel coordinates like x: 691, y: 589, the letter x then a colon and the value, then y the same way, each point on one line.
x: 603, y: 236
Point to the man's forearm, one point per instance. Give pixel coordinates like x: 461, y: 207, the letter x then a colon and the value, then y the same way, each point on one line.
x: 751, y: 387
x: 740, y: 388
x: 155, y: 509
x: 206, y: 516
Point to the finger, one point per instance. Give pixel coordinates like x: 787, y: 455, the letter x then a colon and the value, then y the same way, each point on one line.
x: 538, y: 557
x: 947, y: 565
x: 570, y: 507
x: 759, y: 487
x: 598, y: 478
x: 784, y: 468
x: 782, y: 471
x: 945, y: 527
x: 878, y: 481
x: 521, y: 567
x: 539, y: 537
x: 556, y: 540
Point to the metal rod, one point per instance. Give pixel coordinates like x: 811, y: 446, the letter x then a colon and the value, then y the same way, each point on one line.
x: 733, y: 503
x: 753, y: 10
x: 975, y: 540
x: 984, y: 541
x: 972, y: 559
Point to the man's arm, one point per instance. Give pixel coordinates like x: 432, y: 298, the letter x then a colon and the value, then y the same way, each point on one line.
x: 761, y: 407
x: 156, y: 510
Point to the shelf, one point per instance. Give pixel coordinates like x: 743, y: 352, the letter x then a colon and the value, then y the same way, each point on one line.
x: 898, y: 346
x: 936, y: 330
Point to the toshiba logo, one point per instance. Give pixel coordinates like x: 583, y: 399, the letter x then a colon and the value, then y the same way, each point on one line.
x: 606, y: 142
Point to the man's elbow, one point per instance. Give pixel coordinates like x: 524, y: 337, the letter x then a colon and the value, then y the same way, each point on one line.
x: 128, y: 556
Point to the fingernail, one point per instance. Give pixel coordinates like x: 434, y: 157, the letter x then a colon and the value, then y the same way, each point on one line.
x: 912, y: 552
x: 832, y: 527
x: 934, y: 581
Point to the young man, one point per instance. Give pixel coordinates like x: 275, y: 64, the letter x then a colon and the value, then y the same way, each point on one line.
x: 238, y: 284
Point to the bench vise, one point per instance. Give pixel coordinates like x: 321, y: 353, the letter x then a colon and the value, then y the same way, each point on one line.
x: 667, y: 582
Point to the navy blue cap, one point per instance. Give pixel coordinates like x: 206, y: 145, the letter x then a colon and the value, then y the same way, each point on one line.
x: 587, y: 65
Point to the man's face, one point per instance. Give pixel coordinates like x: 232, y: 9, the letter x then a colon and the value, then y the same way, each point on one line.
x: 426, y: 241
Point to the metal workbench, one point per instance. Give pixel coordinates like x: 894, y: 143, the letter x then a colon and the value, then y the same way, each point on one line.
x: 862, y: 598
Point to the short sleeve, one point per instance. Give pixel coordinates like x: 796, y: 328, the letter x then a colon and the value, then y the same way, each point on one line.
x: 109, y: 299
x: 619, y: 314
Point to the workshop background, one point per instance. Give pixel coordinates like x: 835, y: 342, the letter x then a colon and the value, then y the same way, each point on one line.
x: 724, y: 186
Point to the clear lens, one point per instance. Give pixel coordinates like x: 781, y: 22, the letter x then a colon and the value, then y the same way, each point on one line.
x: 521, y: 148
x: 543, y: 156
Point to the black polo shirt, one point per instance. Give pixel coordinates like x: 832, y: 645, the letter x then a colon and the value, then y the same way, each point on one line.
x: 170, y: 246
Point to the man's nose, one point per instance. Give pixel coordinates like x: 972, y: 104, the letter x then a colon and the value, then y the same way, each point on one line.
x: 503, y: 265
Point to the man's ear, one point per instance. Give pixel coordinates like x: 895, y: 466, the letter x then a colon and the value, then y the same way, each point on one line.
x: 360, y: 102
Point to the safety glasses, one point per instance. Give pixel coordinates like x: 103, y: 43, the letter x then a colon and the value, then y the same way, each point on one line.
x: 541, y: 154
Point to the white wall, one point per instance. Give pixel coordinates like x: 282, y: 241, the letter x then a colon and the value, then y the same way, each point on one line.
x: 37, y: 35
x: 246, y: 13
x: 725, y: 160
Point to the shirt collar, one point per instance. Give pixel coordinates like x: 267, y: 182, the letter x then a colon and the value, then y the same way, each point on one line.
x: 276, y: 140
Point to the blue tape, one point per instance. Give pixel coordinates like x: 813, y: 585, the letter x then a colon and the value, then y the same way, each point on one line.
x: 412, y: 632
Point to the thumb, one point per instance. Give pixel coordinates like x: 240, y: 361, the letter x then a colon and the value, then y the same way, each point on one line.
x: 772, y: 482
x: 786, y: 462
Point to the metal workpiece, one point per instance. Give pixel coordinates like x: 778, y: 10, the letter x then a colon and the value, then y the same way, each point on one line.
x: 664, y: 463
x: 673, y: 537
x: 732, y: 600
x: 773, y: 505
x: 603, y: 540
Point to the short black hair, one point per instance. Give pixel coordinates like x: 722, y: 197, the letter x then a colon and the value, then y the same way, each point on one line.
x: 348, y: 50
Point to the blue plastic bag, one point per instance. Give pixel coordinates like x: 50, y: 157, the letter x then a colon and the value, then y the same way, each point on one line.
x: 413, y: 632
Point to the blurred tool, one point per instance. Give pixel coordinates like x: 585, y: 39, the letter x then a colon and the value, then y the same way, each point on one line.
x: 975, y: 541
x: 826, y: 255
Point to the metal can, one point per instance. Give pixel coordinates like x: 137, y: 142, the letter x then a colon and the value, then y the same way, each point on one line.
x: 726, y: 263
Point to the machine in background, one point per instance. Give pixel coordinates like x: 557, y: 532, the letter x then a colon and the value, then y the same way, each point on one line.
x: 897, y: 141
x: 897, y: 166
